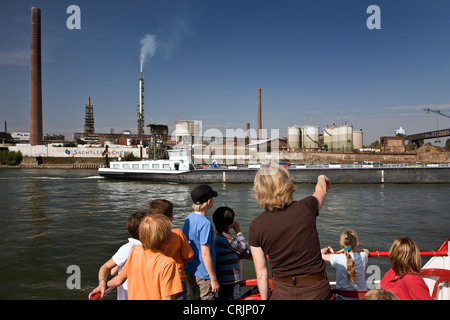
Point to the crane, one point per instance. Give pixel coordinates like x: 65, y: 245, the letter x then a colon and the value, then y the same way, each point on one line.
x: 438, y: 112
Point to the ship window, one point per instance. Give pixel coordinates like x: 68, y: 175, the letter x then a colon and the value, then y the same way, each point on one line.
x: 116, y: 166
x: 135, y: 166
x: 126, y: 166
x: 146, y: 166
x: 155, y: 166
x: 166, y: 166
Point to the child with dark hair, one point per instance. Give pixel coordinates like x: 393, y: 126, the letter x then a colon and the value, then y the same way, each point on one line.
x: 229, y: 251
x: 115, y: 264
x: 161, y: 206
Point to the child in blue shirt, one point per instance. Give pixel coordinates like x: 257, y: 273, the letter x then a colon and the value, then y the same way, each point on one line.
x: 200, y: 272
x: 229, y: 252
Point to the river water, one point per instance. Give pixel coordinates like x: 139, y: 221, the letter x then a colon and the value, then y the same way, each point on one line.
x: 60, y: 226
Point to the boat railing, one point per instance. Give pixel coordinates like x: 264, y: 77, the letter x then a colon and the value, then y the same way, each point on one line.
x: 368, y: 166
x: 442, y: 275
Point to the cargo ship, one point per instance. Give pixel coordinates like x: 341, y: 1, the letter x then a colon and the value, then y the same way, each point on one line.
x: 179, y: 168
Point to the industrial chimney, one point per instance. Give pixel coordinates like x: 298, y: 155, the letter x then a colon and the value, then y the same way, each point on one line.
x: 140, y: 111
x: 259, y: 114
x: 89, y: 119
x: 36, y: 130
x: 247, y: 134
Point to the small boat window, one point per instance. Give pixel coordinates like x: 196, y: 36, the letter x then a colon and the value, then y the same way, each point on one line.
x: 166, y: 166
x: 116, y: 166
x: 155, y: 166
x: 126, y: 166
x: 145, y: 166
x: 135, y: 166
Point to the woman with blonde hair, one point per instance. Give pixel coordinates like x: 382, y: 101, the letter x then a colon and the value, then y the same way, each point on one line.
x: 286, y: 232
x: 351, y: 265
x: 404, y: 278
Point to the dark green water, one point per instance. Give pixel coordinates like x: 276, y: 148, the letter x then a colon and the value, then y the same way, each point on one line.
x: 53, y: 219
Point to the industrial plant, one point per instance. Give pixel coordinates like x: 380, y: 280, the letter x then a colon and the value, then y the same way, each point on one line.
x: 187, y: 133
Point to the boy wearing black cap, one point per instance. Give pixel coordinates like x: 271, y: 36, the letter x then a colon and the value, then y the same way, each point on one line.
x: 200, y: 272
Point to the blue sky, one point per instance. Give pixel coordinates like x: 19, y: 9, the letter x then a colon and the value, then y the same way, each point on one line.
x: 316, y: 63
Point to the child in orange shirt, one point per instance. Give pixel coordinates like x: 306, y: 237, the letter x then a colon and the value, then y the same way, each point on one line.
x: 178, y: 247
x: 151, y: 275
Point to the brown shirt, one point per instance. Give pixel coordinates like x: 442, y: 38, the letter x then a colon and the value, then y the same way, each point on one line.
x: 289, y: 238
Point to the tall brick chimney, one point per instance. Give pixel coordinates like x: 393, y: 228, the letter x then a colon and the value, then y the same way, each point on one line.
x: 259, y: 114
x: 36, y: 128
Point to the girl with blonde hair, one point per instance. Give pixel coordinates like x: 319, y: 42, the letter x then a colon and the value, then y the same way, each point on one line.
x: 286, y: 232
x: 404, y: 278
x: 350, y: 266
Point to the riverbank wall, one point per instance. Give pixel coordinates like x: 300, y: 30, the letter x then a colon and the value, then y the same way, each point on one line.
x: 48, y: 157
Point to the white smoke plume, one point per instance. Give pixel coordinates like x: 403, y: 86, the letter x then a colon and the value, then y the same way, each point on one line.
x: 148, y: 48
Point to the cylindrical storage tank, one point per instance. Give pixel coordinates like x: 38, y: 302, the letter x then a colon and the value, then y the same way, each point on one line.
x: 334, y: 139
x: 294, y: 137
x: 345, y: 138
x: 310, y: 137
x: 327, y: 138
x: 349, y: 138
x: 357, y: 139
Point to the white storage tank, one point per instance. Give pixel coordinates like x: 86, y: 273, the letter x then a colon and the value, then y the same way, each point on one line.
x: 345, y: 138
x: 310, y: 137
x: 335, y: 139
x: 327, y: 140
x: 358, y: 139
x: 294, y: 136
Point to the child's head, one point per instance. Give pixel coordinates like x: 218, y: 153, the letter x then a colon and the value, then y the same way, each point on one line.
x: 273, y: 188
x: 404, y: 256
x: 349, y: 238
x: 200, y: 196
x: 155, y: 231
x: 378, y: 294
x: 223, y: 217
x: 161, y: 206
x: 133, y: 223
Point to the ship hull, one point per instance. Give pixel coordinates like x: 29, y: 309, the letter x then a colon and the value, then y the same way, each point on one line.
x: 349, y: 175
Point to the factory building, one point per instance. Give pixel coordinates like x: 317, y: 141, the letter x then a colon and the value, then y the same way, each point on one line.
x: 125, y: 138
x: 188, y: 132
x: 393, y: 144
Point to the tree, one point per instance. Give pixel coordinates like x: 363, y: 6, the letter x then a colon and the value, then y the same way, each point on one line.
x: 10, y: 158
x: 375, y: 145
